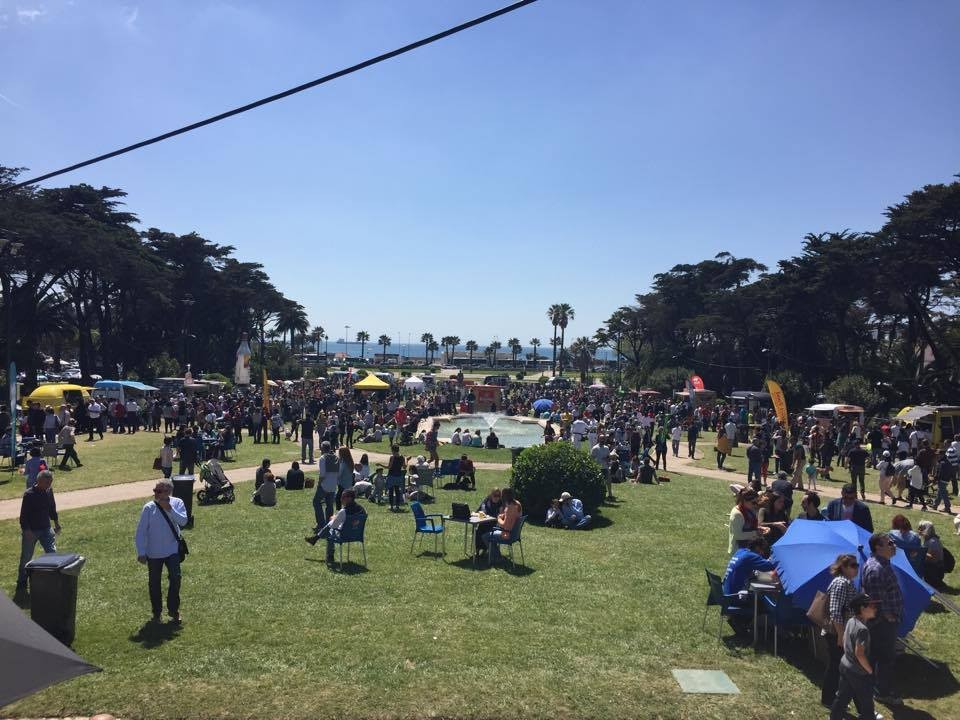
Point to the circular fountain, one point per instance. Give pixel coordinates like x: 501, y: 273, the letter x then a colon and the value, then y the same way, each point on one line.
x: 513, y: 430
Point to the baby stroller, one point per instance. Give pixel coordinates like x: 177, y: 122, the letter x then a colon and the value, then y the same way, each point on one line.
x: 217, y: 488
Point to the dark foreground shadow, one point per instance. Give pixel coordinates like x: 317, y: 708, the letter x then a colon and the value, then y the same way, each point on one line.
x: 154, y: 634
x: 348, y: 568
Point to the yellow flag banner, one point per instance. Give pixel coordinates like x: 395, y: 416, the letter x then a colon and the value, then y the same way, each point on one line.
x: 779, y: 402
x: 266, y: 393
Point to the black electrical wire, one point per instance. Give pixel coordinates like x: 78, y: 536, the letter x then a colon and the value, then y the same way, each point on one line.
x: 279, y: 96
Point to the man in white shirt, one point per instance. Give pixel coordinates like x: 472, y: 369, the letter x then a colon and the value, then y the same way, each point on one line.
x: 601, y: 453
x: 731, y: 430
x: 94, y: 411
x: 158, y: 545
x: 133, y: 415
x: 676, y: 432
x: 578, y: 430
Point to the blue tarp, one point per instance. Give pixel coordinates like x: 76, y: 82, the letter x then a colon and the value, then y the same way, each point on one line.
x: 804, y: 555
x: 116, y: 384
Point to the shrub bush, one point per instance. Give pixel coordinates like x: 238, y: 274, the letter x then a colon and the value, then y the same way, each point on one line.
x: 541, y: 473
x: 520, y: 375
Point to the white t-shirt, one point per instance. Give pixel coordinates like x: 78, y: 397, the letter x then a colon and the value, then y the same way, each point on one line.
x: 94, y: 410
x: 731, y: 428
x: 676, y: 432
x: 601, y: 453
x: 578, y: 429
x: 916, y: 477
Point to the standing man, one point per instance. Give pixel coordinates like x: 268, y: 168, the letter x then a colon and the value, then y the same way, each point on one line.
x: 94, y: 411
x: 754, y: 460
x: 857, y: 462
x: 37, y: 509
x: 307, y: 426
x: 601, y: 453
x: 676, y: 432
x: 187, y: 448
x: 158, y: 545
x: 880, y: 583
x: 693, y: 432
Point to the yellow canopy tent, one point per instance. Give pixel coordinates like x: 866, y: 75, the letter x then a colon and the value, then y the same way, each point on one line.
x: 371, y: 382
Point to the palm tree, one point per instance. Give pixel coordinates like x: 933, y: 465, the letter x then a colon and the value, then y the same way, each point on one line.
x: 384, y: 342
x: 566, y: 314
x: 494, y: 346
x: 535, y: 342
x: 553, y: 313
x: 426, y: 339
x: 292, y: 318
x: 471, y: 346
x: 582, y: 350
x: 316, y: 335
x: 362, y: 337
x: 515, y: 348
x: 445, y: 342
x: 454, y: 341
x: 433, y: 346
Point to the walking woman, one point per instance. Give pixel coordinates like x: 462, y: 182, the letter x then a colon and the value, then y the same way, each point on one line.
x: 395, y: 474
x: 839, y: 594
x: 723, y: 447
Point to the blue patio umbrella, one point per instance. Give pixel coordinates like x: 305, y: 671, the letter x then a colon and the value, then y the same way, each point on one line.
x: 542, y: 405
x: 808, y: 548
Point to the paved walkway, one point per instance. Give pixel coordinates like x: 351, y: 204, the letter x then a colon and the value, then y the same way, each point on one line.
x: 143, y: 489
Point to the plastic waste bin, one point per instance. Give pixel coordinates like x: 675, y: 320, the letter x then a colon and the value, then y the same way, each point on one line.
x: 183, y: 489
x: 53, y: 593
x: 514, y: 454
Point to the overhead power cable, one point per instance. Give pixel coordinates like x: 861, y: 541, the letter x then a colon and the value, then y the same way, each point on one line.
x: 278, y: 96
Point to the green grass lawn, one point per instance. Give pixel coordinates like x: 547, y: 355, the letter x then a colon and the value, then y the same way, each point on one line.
x: 126, y: 458
x: 590, y: 628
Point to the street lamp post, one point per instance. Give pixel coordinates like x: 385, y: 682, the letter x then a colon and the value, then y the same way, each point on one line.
x: 346, y: 343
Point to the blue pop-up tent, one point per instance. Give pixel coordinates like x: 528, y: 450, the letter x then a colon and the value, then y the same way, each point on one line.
x: 808, y: 548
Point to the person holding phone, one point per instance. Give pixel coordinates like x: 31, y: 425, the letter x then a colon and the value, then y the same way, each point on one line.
x: 157, y: 541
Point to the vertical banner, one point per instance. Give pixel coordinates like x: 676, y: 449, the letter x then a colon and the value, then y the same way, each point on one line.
x: 266, y: 394
x: 12, y: 382
x: 779, y: 402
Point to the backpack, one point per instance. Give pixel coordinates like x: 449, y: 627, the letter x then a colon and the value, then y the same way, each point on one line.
x: 948, y: 561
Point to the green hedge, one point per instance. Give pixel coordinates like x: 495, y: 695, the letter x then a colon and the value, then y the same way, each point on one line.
x: 541, y: 473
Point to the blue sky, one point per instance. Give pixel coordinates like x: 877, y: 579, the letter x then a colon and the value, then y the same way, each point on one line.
x: 563, y: 153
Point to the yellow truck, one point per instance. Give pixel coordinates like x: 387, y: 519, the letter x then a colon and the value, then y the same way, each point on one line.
x: 940, y: 422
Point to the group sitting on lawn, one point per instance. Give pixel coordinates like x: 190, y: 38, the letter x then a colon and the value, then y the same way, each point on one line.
x: 567, y: 512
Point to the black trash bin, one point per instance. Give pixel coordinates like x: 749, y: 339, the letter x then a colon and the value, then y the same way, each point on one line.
x: 183, y: 489
x: 53, y: 593
x: 514, y: 454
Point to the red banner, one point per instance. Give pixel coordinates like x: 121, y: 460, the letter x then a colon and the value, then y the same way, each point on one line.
x: 697, y: 382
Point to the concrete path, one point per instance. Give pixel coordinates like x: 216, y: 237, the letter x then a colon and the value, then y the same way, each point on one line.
x: 143, y: 490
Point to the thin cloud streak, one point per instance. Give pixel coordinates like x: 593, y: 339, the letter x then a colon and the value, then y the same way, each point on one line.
x: 10, y: 102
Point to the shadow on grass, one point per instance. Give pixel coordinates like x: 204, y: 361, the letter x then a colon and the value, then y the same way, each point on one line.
x: 349, y: 567
x: 154, y: 634
x: 436, y: 554
x: 915, y: 677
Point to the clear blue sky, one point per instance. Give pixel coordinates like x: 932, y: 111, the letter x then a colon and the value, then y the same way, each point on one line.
x: 564, y: 153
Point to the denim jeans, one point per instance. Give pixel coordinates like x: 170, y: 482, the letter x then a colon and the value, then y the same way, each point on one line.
x: 858, y: 688
x: 28, y: 543
x: 942, y: 496
x: 753, y: 471
x: 883, y: 654
x: 155, y: 573
x: 322, y: 506
x: 306, y: 445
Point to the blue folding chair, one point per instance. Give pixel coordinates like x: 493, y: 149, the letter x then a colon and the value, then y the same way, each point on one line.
x: 730, y: 605
x: 514, y: 539
x: 783, y: 613
x: 449, y: 467
x: 426, y: 524
x: 351, y: 532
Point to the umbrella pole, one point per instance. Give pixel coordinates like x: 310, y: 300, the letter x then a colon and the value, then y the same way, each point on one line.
x: 913, y: 646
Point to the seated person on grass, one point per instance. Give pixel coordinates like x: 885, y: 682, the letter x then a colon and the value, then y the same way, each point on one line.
x: 477, y: 441
x: 493, y: 442
x: 266, y: 494
x: 743, y: 563
x: 554, y: 515
x: 466, y: 473
x: 455, y: 438
x: 572, y: 514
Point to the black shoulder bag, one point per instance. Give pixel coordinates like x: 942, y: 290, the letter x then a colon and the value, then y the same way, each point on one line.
x: 182, y: 548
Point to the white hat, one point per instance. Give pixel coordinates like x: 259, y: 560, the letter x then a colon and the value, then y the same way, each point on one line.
x: 565, y: 495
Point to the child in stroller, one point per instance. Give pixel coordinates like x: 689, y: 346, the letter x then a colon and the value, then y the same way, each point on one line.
x: 217, y: 488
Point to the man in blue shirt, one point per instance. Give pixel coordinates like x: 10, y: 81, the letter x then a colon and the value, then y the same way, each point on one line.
x: 744, y: 563
x: 157, y: 541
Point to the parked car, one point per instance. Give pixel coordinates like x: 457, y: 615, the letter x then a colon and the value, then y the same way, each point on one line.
x: 500, y: 380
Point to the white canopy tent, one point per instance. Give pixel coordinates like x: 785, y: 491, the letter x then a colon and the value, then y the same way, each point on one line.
x: 414, y: 383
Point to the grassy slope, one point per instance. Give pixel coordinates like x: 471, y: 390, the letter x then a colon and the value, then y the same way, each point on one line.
x: 592, y: 629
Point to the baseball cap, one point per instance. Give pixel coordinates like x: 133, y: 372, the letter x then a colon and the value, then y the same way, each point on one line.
x: 860, y: 600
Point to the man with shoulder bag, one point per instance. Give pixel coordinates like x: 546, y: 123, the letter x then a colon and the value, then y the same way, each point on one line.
x: 159, y: 543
